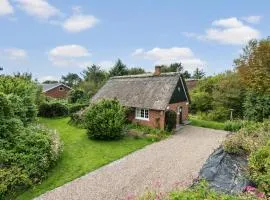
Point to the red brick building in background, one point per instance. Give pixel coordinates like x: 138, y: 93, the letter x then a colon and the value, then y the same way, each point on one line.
x: 149, y: 96
x: 55, y: 90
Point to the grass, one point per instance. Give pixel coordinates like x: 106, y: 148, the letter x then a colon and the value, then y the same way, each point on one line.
x: 206, y: 124
x: 81, y: 155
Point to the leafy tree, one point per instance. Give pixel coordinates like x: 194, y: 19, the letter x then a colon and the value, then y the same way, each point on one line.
x: 76, y: 96
x: 25, y: 75
x: 94, y: 74
x: 135, y: 70
x: 174, y: 67
x: 198, y: 74
x: 253, y: 66
x: 71, y: 79
x: 119, y: 69
x: 1, y: 68
x: 49, y: 81
x: 186, y: 74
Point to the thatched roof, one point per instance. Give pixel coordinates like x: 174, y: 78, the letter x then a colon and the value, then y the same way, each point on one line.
x: 143, y: 91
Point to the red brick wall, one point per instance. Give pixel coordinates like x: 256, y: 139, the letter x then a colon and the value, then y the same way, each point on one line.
x: 156, y: 119
x: 56, y: 93
x: 174, y: 107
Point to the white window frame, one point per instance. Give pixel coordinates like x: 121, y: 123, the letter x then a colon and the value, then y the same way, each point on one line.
x: 138, y: 114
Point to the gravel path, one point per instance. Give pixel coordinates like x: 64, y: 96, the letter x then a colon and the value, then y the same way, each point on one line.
x: 165, y: 165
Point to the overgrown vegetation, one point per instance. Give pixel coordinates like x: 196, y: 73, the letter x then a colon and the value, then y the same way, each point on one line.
x: 253, y: 141
x: 200, y: 191
x: 27, y: 151
x: 205, y: 123
x: 170, y: 120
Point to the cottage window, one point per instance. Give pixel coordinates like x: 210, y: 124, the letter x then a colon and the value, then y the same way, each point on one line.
x: 142, y: 114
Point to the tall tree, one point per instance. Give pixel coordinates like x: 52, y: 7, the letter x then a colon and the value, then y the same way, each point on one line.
x: 135, y: 70
x: 94, y: 74
x: 71, y: 79
x: 174, y: 67
x: 253, y: 66
x: 119, y: 69
x: 198, y: 73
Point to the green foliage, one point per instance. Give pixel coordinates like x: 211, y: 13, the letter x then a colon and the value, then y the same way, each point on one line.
x: 170, y: 120
x: 259, y: 167
x: 73, y: 108
x: 22, y: 94
x: 198, y: 73
x: 54, y: 109
x: 77, y: 96
x: 71, y: 79
x: 257, y: 106
x: 135, y: 70
x: 233, y: 125
x: 119, y: 69
x: 105, y: 120
x: 202, y: 191
x: 249, y: 138
x: 206, y: 124
x: 216, y: 96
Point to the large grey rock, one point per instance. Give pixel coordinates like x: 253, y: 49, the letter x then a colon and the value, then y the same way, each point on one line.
x: 225, y: 172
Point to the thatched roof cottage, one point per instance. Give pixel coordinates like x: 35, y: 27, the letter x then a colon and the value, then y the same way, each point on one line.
x: 149, y: 96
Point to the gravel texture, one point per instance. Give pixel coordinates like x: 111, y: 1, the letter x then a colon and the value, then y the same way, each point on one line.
x: 163, y: 166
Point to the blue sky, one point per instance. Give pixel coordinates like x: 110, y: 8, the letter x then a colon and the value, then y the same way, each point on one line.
x: 50, y: 38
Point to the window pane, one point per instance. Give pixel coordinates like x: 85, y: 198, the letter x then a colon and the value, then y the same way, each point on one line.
x: 146, y: 114
x: 138, y: 112
x: 142, y: 113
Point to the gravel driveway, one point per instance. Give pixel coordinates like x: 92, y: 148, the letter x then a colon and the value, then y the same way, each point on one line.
x: 165, y: 165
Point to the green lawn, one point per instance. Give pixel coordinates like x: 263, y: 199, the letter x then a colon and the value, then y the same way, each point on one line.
x: 206, y: 124
x: 80, y: 155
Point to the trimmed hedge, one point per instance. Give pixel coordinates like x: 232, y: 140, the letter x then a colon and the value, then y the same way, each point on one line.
x: 53, y: 110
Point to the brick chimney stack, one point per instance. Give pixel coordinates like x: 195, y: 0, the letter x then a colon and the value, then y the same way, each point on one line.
x: 157, y: 70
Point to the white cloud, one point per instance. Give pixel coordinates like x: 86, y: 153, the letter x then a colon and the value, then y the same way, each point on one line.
x: 255, y: 19
x: 69, y: 55
x: 5, y: 8
x: 170, y: 55
x: 228, y: 31
x: 48, y: 78
x: 15, y: 53
x: 79, y: 22
x: 38, y: 8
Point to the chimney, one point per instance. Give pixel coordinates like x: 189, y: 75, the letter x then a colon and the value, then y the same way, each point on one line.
x: 157, y: 70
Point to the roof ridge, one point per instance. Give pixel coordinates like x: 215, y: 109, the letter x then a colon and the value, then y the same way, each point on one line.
x: 146, y: 75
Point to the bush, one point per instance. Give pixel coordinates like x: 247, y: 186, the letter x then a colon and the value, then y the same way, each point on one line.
x: 219, y: 114
x: 53, y: 110
x: 234, y: 125
x: 76, y: 96
x: 73, y: 108
x: 249, y: 138
x: 259, y: 168
x: 77, y: 119
x: 105, y: 120
x: 30, y: 152
x: 170, y: 120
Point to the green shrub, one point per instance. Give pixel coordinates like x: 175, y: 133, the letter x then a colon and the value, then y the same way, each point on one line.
x: 52, y: 110
x: 170, y: 120
x: 73, y: 108
x: 249, y: 138
x: 206, y: 124
x: 219, y: 114
x: 31, y: 152
x: 233, y: 125
x: 259, y: 168
x: 105, y: 120
x: 76, y: 96
x: 77, y: 119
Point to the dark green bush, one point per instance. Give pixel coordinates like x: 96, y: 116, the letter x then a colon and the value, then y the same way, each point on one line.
x: 105, y: 120
x: 259, y: 167
x: 77, y: 119
x: 77, y: 96
x: 73, y: 108
x: 170, y: 120
x: 53, y: 110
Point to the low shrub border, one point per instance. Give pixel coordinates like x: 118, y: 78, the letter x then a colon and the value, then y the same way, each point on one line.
x: 206, y: 124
